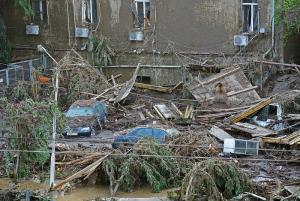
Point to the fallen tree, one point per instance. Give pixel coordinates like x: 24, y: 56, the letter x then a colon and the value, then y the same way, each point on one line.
x: 213, y: 180
x: 148, y: 163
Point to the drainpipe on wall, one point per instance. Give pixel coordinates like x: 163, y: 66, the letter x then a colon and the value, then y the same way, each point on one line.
x: 273, y: 30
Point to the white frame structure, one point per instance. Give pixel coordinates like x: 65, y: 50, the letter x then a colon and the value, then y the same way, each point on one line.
x: 144, y: 8
x: 41, y: 11
x: 83, y: 6
x: 252, y: 6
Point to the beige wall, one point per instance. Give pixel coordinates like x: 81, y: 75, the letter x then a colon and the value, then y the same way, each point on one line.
x: 179, y: 25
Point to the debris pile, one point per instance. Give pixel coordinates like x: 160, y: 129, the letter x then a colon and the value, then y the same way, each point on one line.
x: 162, y: 137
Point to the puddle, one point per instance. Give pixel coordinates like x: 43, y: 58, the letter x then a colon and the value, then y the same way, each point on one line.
x: 91, y: 192
x: 82, y: 192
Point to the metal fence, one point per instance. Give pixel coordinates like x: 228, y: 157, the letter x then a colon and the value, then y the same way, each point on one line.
x: 19, y: 71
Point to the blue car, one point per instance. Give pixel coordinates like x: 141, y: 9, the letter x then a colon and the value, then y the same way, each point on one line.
x: 84, y: 117
x: 159, y: 135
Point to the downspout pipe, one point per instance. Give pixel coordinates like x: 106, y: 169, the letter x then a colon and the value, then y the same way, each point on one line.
x: 273, y: 30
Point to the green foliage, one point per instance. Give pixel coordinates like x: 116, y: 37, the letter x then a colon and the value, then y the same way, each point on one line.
x: 213, y: 180
x: 157, y: 170
x: 289, y: 14
x: 23, y: 6
x: 30, y: 124
x: 5, y: 46
x: 102, y: 51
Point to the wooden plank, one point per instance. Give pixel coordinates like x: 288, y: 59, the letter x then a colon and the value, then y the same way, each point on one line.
x: 153, y: 87
x: 174, y: 107
x: 219, y: 133
x: 158, y: 88
x: 251, y: 110
x: 115, y: 77
x: 84, y: 172
x: 158, y: 112
x: 220, y: 76
x: 278, y: 64
x: 142, y: 116
x: 234, y: 93
x: 255, y: 131
x: 165, y: 111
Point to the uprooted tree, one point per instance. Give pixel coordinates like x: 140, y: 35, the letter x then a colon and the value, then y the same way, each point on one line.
x: 213, y: 180
x: 28, y: 125
x: 147, y: 162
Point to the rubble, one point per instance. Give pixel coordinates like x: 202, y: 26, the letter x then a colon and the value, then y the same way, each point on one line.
x: 224, y: 120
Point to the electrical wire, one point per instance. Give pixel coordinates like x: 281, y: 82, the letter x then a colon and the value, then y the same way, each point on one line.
x: 155, y: 156
x: 130, y: 143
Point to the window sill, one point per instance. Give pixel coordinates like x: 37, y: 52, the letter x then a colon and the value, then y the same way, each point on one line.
x: 250, y: 33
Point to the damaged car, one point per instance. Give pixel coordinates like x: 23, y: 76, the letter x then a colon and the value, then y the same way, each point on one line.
x: 134, y: 135
x: 84, y: 118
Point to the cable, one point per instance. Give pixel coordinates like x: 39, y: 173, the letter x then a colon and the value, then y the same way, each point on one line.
x: 162, y: 144
x: 155, y: 156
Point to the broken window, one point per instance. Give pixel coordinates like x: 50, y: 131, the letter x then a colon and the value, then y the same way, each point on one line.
x: 89, y: 11
x: 141, y: 12
x: 250, y: 16
x: 40, y: 10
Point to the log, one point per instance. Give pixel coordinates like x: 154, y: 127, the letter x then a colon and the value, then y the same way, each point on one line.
x: 84, y: 172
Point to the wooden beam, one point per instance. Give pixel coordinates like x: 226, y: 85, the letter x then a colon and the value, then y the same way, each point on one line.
x: 251, y: 110
x: 278, y: 64
x: 234, y: 93
x: 221, y: 76
x: 157, y: 88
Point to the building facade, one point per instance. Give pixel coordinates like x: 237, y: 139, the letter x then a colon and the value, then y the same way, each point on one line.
x: 143, y: 26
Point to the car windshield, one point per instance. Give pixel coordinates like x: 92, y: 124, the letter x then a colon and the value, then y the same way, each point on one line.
x: 76, y: 111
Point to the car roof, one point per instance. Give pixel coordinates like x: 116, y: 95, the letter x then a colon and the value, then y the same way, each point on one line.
x: 85, y: 103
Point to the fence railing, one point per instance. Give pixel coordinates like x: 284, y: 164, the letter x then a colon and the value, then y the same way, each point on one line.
x: 19, y: 71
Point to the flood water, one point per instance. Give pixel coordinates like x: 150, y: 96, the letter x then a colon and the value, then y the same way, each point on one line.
x: 82, y: 192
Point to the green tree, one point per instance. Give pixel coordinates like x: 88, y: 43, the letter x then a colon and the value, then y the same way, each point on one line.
x: 5, y: 46
x: 288, y: 12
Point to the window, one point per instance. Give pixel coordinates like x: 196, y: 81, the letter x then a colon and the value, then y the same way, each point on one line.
x: 250, y: 16
x: 89, y: 11
x: 141, y: 12
x: 40, y: 10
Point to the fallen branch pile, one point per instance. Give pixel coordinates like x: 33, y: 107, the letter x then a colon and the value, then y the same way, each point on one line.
x: 213, y: 180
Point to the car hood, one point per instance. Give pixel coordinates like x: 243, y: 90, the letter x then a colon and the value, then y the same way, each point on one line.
x: 74, y: 122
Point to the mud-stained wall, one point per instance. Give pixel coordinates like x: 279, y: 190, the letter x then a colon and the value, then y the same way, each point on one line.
x: 176, y: 25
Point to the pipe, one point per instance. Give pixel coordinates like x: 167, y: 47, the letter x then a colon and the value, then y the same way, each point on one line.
x: 273, y: 30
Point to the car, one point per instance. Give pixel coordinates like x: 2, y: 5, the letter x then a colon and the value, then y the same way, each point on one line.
x: 159, y: 135
x: 84, y: 117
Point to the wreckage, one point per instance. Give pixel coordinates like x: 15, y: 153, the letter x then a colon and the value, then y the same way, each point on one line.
x: 134, y: 133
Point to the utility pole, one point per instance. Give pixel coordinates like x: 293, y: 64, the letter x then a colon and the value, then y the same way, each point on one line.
x: 56, y: 87
x: 52, y: 164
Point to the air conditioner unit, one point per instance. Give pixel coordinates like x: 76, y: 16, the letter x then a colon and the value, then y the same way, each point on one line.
x: 136, y: 36
x: 81, y: 32
x: 237, y: 146
x: 32, y: 29
x: 241, y: 40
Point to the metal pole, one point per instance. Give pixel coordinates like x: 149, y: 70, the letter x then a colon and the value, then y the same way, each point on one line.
x: 56, y: 72
x: 52, y: 164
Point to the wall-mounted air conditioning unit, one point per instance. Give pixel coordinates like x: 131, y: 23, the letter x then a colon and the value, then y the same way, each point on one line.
x: 241, y: 40
x: 81, y: 32
x: 32, y: 29
x: 237, y: 146
x: 136, y: 36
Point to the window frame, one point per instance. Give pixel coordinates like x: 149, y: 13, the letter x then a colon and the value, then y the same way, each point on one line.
x: 41, y: 12
x: 92, y: 9
x: 136, y: 2
x: 252, y: 8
